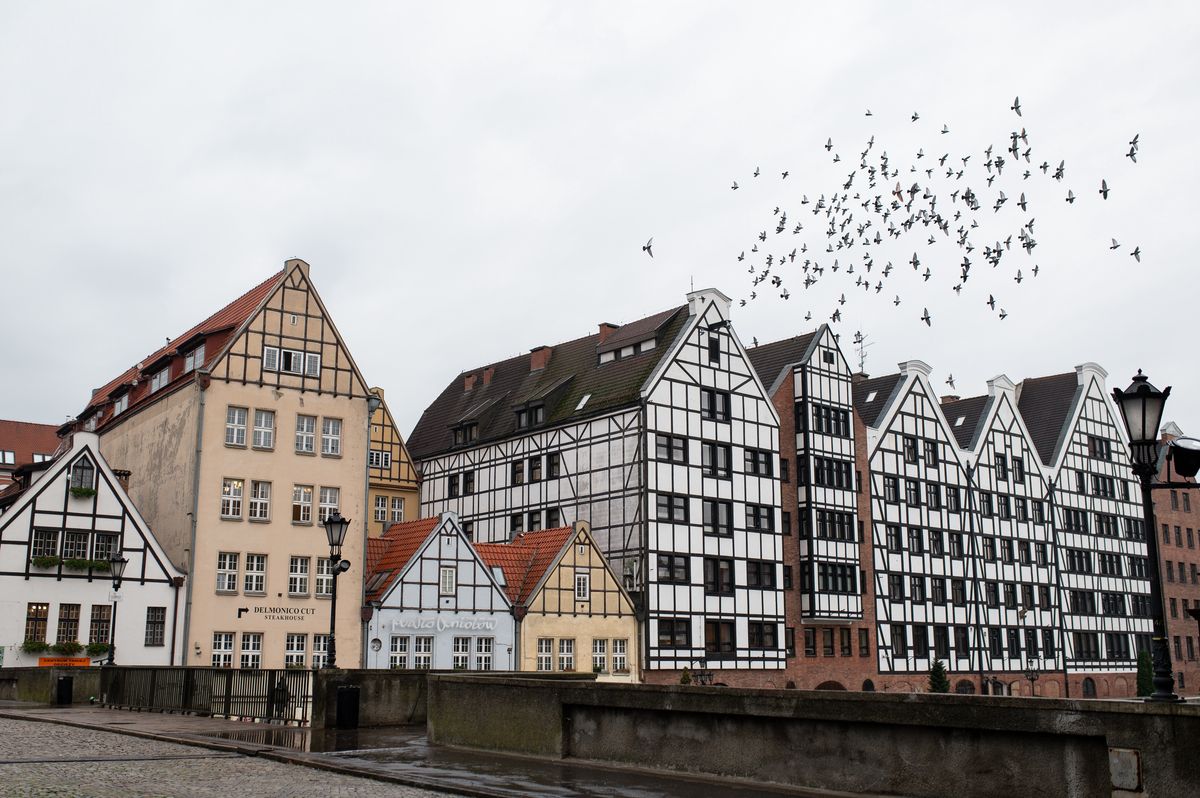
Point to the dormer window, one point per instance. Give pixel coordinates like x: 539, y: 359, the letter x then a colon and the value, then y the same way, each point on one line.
x: 83, y: 474
x: 466, y: 433
x: 530, y: 416
x: 121, y: 404
x: 194, y: 359
x: 160, y: 379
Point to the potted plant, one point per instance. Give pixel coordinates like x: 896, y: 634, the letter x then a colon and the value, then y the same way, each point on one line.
x: 597, y: 669
x: 97, y: 649
x: 68, y: 648
x: 83, y: 493
x: 46, y: 561
x: 77, y: 564
x: 35, y: 647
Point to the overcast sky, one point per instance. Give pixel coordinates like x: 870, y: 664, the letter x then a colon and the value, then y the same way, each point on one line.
x: 469, y: 181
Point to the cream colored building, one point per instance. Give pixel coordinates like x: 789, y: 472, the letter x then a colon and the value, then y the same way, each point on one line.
x: 394, y: 487
x: 241, y: 435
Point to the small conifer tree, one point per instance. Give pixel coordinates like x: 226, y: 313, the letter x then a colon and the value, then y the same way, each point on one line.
x: 685, y: 677
x: 939, y: 682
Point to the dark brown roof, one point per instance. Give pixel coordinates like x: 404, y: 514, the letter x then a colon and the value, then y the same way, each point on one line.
x: 573, y: 371
x: 881, y: 387
x: 971, y: 411
x: 769, y: 360
x: 1045, y: 404
x: 635, y: 331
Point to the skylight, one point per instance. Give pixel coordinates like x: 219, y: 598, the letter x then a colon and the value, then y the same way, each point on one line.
x: 871, y: 396
x: 582, y: 402
x: 960, y: 421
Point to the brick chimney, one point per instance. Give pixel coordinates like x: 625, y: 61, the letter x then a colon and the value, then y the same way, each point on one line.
x: 123, y: 477
x: 469, y: 382
x: 539, y: 357
x: 488, y: 373
x: 948, y: 398
x: 606, y: 330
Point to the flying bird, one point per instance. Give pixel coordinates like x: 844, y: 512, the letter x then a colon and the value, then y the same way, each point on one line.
x: 1137, y: 254
x: 925, y: 317
x: 1104, y: 189
x: 1003, y: 314
x: 1016, y: 106
x: 1114, y: 244
x: 950, y: 381
x: 735, y: 185
x: 1070, y: 197
x: 756, y: 171
x: 649, y: 244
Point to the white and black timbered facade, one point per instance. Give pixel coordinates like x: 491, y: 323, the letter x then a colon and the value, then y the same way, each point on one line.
x: 60, y: 524
x: 657, y: 433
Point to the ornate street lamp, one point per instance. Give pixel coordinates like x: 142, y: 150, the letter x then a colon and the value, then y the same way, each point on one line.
x: 116, y: 567
x: 335, y: 531
x: 702, y: 675
x: 1141, y: 406
x: 1032, y: 672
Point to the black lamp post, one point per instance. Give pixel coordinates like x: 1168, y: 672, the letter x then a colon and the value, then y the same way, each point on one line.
x: 1141, y: 406
x: 1032, y: 672
x: 335, y: 530
x: 116, y: 567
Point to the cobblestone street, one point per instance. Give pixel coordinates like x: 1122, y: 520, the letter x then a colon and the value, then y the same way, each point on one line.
x: 45, y: 759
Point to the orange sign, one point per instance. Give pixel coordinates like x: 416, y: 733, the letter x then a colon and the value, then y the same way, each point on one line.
x: 64, y: 662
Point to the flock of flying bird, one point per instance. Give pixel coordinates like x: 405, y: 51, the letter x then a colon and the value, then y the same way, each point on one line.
x: 937, y: 198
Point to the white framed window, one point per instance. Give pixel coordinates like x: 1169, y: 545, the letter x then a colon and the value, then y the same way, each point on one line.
x: 397, y: 509
x: 312, y: 364
x: 121, y: 404
x: 227, y: 571
x: 324, y: 585
x: 194, y: 359
x: 583, y: 586
x: 255, y: 579
x: 545, y: 654
x: 298, y: 576
x: 329, y: 502
x: 231, y: 498
x: 302, y: 504
x: 260, y: 501
x: 291, y: 361
x: 447, y: 578
x: 160, y: 379
x: 422, y: 653
x: 599, y: 655
x: 264, y: 429
x: 381, y: 508
x: 8, y: 457
x: 45, y: 543
x: 235, y: 426
x: 377, y: 458
x: 461, y: 654
x: 566, y: 654
x: 294, y: 650
x: 331, y: 436
x: 483, y: 653
x: 306, y: 434
x: 620, y: 661
x: 75, y: 545
x: 104, y: 546
x: 320, y: 655
x: 398, y: 656
x: 45, y: 458
x: 251, y: 650
x: 222, y: 650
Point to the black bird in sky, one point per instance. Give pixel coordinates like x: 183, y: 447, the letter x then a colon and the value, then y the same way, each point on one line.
x: 991, y: 302
x: 950, y: 381
x: 735, y: 186
x: 1137, y: 254
x: 1016, y: 106
x: 925, y: 317
x: 1070, y: 197
x: 1104, y: 189
x: 756, y: 171
x: 647, y: 246
x: 1114, y: 244
x: 828, y: 144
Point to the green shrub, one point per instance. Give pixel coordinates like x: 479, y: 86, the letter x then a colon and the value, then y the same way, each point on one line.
x: 83, y: 493
x: 46, y: 561
x: 68, y: 649
x: 97, y: 649
x: 35, y: 647
x: 939, y: 682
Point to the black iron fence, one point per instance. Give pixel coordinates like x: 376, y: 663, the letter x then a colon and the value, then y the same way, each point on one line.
x: 283, y: 696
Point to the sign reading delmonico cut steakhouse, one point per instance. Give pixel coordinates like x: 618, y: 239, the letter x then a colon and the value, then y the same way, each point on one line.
x: 268, y: 613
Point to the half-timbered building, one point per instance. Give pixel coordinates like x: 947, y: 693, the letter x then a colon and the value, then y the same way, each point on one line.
x: 60, y: 524
x: 660, y: 435
x: 393, y: 494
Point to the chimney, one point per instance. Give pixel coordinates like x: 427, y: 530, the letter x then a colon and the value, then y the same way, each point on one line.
x: 488, y: 373
x: 606, y: 330
x: 123, y: 477
x: 948, y: 398
x: 539, y: 357
x: 469, y: 382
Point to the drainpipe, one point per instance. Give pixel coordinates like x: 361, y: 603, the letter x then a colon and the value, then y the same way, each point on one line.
x: 176, y: 582
x: 373, y: 403
x: 202, y: 382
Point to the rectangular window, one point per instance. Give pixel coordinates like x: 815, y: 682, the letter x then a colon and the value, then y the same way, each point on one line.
x: 460, y: 654
x: 306, y: 434
x: 620, y: 649
x: 323, y: 586
x: 160, y: 379
x: 714, y: 405
x: 995, y: 643
x: 715, y: 460
x: 194, y: 359
x: 447, y: 581
x: 920, y: 641
x: 1001, y: 468
x: 104, y: 546
x: 836, y: 578
x: 718, y: 637
x: 673, y: 568
x: 938, y: 590
x: 298, y: 576
x: 834, y: 525
x: 933, y: 495
x: 516, y: 525
x: 762, y: 635
x: 545, y: 654
x: 397, y: 510
x: 831, y: 421
x: 931, y: 454
x: 783, y: 470
x: 910, y: 449
x: 1004, y: 506
x: 398, y: 653
x: 260, y: 501
x: 329, y: 501
x: 985, y: 505
x: 583, y: 586
x: 759, y: 518
x: 553, y: 465
x: 958, y: 592
x: 1099, y: 448
x: 899, y: 640
x: 251, y: 650
x: 320, y: 651
x: 670, y: 448
x: 941, y: 642
x: 377, y: 458
x: 718, y: 576
x: 381, y: 508
x: 893, y: 538
x: 483, y: 653
x: 75, y: 546
x: 956, y: 545
x: 302, y: 497
x: 553, y: 518
x: 535, y: 469
x: 953, y: 499
x: 1039, y: 512
x: 810, y: 642
x: 516, y: 473
x: 295, y: 648
x: 760, y: 574
x: 674, y: 633
x: 916, y: 540
x: 68, y: 624
x: 962, y: 642
x: 864, y: 643
x: 1087, y: 645
x: 255, y: 580
x: 891, y: 490
x: 937, y: 543
x: 1022, y: 508
x: 534, y: 521
x: 912, y: 492
x: 423, y: 653
x: 1018, y: 470
x: 895, y: 588
x: 566, y: 654
x: 714, y: 348
x: 156, y: 625
x: 599, y: 655
x: 45, y: 543
x: 222, y: 650
x: 671, y: 507
x: 264, y: 429
x: 331, y: 436
x: 231, y: 498
x: 832, y: 473
x: 120, y: 404
x: 916, y: 588
x: 227, y: 571
x: 758, y: 463
x: 235, y: 426
x: 101, y: 624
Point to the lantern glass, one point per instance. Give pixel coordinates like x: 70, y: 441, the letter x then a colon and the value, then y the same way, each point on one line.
x: 335, y: 530
x: 1141, y: 406
x: 116, y: 566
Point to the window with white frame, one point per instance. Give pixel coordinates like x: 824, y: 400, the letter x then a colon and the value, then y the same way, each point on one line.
x: 260, y: 501
x: 381, y: 508
x: 324, y: 585
x: 291, y: 361
x: 447, y: 578
x: 599, y: 655
x: 483, y: 653
x: 545, y: 654
x: 583, y: 586
x: 251, y: 650
x: 398, y: 656
x: 331, y: 436
x: 302, y: 496
x: 320, y: 654
x: 8, y: 457
x: 330, y: 497
x: 121, y: 404
x: 160, y: 379
x: 101, y: 626
x: 75, y: 545
x: 222, y: 650
x: 461, y: 654
x: 566, y: 654
x: 397, y: 509
x: 231, y: 498
x: 298, y: 576
x: 255, y: 579
x: 306, y: 434
x: 227, y: 571
x: 264, y: 429
x: 377, y: 458
x: 44, y: 544
x: 422, y: 653
x: 294, y: 650
x: 194, y: 359
x: 620, y: 662
x: 235, y: 426
x: 104, y: 546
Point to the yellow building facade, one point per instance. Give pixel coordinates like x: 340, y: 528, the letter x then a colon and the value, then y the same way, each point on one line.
x: 394, y: 489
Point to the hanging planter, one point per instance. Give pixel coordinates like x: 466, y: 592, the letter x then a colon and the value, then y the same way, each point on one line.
x: 79, y: 564
x: 97, y: 649
x: 35, y: 647
x: 83, y: 493
x: 67, y: 649
x: 47, y: 561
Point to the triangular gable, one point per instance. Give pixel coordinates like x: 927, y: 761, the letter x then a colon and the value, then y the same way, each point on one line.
x: 580, y: 529
x: 1093, y: 388
x: 914, y: 379
x: 402, y: 472
x: 446, y: 522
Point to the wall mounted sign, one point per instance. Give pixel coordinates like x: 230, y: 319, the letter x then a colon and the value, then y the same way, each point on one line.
x: 440, y: 624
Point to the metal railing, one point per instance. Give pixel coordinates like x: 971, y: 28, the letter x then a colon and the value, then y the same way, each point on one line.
x: 279, y: 695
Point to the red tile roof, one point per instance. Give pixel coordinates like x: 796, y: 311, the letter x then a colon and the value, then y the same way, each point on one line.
x: 402, y: 542
x: 376, y: 547
x: 25, y: 439
x: 227, y: 318
x: 526, y: 560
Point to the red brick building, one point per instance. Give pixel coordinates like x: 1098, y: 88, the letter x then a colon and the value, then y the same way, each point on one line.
x: 1177, y: 513
x: 23, y: 442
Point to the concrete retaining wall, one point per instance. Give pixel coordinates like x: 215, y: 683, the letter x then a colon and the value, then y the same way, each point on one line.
x: 910, y: 744
x: 38, y: 684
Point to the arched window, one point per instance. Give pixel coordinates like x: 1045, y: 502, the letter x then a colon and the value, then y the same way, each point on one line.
x: 965, y: 687
x: 868, y: 686
x: 1089, y: 688
x: 831, y: 685
x: 83, y: 474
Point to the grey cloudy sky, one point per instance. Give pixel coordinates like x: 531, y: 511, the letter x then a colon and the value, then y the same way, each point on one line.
x: 471, y: 180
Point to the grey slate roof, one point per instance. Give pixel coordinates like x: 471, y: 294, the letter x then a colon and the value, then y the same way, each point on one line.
x: 972, y: 411
x: 1045, y: 404
x: 769, y: 360
x: 882, y: 387
x: 573, y: 371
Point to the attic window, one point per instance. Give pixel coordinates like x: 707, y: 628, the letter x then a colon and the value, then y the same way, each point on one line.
x: 871, y: 396
x: 466, y: 433
x: 628, y: 351
x: 160, y: 379
x: 194, y: 359
x: 291, y: 361
x: 582, y: 402
x: 530, y: 416
x: 83, y: 474
x: 378, y: 579
x: 121, y: 405
x: 960, y: 421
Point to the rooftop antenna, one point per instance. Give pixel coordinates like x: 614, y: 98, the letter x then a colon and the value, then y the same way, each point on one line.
x: 861, y: 344
x: 692, y: 282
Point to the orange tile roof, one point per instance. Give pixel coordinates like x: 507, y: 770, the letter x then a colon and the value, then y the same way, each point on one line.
x: 526, y: 560
x: 232, y: 315
x: 25, y: 439
x: 375, y: 551
x: 402, y: 542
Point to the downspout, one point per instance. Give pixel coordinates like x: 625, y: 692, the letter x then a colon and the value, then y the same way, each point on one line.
x: 974, y: 559
x: 644, y: 543
x: 373, y: 403
x: 202, y: 380
x: 1061, y: 651
x: 176, y: 582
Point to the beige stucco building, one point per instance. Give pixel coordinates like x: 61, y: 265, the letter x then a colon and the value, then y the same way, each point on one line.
x: 241, y: 435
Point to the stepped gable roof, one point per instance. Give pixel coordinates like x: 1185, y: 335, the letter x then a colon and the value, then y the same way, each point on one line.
x: 573, y: 371
x: 26, y: 438
x: 1045, y: 404
x: 526, y: 560
x: 769, y: 360
x: 227, y: 319
x: 401, y: 542
x: 965, y: 416
x: 871, y: 395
